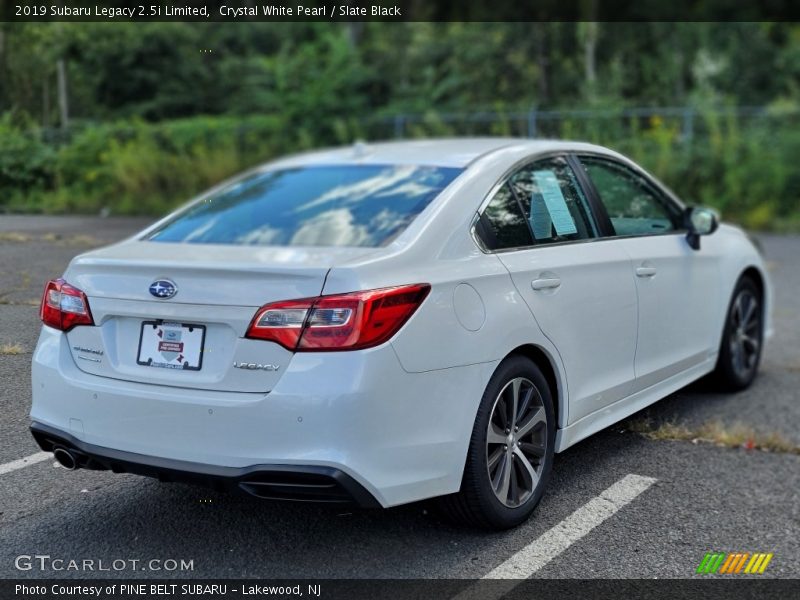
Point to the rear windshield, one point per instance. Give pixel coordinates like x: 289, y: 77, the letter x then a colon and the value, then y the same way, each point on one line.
x: 345, y: 205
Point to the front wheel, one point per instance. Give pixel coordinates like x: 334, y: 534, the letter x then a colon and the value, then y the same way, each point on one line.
x: 742, y: 338
x: 511, y: 450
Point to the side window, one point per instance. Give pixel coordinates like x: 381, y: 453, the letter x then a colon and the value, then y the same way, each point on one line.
x: 505, y: 222
x: 539, y: 204
x: 633, y: 205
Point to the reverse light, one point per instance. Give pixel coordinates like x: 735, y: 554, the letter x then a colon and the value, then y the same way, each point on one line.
x: 64, y: 306
x: 338, y: 322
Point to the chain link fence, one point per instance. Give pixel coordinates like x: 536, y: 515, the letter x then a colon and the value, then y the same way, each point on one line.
x: 686, y: 121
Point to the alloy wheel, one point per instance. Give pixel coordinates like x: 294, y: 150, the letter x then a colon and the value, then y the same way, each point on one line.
x: 516, y: 442
x: 745, y: 333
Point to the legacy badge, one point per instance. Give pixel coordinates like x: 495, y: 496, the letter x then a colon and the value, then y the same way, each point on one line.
x: 255, y: 366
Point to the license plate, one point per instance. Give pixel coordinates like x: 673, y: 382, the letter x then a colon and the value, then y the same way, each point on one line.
x: 171, y: 345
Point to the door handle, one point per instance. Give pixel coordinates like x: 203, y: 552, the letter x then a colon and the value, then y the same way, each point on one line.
x: 645, y: 271
x: 546, y: 283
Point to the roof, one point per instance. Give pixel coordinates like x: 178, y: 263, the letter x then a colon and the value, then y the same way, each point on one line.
x: 445, y: 152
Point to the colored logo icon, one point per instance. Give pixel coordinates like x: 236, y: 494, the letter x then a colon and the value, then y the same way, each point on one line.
x: 734, y: 562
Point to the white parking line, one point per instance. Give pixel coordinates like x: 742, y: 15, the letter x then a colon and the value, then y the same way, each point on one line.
x: 554, y: 541
x: 21, y: 463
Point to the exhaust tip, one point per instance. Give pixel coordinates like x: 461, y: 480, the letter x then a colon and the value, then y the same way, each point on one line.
x: 65, y: 458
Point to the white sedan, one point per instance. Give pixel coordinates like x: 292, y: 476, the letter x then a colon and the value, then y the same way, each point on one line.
x: 387, y: 323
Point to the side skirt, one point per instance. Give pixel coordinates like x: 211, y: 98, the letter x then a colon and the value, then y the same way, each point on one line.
x: 605, y: 417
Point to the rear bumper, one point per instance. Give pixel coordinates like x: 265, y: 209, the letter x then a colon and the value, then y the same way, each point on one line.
x: 401, y: 436
x: 271, y: 482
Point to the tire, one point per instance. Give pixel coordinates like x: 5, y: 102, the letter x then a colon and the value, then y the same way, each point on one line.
x: 503, y: 465
x: 742, y: 338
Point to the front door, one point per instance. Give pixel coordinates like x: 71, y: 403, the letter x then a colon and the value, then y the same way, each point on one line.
x: 678, y: 287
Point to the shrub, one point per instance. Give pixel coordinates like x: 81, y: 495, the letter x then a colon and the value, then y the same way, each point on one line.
x: 25, y: 163
x: 132, y: 167
x: 742, y: 166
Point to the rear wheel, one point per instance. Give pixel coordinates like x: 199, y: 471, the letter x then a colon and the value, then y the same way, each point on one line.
x: 742, y: 338
x: 511, y: 450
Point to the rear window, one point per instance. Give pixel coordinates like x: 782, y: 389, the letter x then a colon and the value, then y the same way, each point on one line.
x: 345, y: 205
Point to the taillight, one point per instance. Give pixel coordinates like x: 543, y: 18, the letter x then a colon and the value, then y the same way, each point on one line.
x: 339, y: 322
x: 64, y: 306
x: 281, y: 322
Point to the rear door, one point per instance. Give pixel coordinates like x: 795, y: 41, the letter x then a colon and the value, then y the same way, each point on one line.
x: 579, y: 289
x: 678, y: 288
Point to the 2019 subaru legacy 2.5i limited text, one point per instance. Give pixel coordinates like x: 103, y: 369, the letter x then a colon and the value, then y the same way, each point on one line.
x: 393, y: 322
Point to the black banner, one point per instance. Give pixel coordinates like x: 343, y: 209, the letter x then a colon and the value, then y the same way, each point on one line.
x: 729, y: 588
x: 398, y: 10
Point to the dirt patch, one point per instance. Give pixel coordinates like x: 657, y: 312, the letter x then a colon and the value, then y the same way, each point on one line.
x: 11, y: 349
x: 737, y: 435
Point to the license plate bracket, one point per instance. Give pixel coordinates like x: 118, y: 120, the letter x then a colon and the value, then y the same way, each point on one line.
x: 170, y: 345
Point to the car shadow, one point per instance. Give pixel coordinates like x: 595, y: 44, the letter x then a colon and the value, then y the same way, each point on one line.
x: 232, y: 535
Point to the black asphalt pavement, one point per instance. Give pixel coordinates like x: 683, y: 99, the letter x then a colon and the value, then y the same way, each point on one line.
x: 706, y: 497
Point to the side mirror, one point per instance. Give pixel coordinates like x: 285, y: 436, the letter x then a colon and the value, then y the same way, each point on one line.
x: 698, y: 221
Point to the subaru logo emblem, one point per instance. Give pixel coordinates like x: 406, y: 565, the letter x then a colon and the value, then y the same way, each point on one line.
x: 163, y: 288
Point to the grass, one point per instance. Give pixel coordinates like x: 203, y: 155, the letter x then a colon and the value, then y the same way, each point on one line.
x: 78, y: 239
x: 715, y: 432
x: 11, y: 349
x: 14, y: 236
x: 26, y: 302
x: 82, y: 240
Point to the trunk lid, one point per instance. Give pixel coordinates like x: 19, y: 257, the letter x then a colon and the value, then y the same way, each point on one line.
x: 219, y: 289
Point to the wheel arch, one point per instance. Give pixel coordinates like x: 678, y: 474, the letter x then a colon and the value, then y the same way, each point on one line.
x: 725, y: 373
x: 547, y: 365
x: 755, y: 274
x: 758, y: 278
